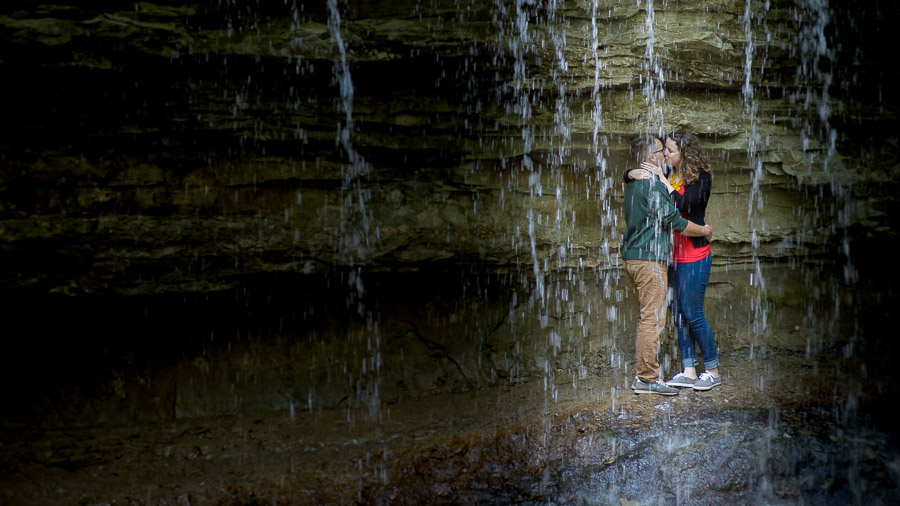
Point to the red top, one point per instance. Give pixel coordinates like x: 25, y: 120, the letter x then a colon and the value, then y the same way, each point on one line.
x: 683, y: 249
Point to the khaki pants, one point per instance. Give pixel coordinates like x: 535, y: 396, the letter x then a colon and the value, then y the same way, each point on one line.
x: 649, y: 279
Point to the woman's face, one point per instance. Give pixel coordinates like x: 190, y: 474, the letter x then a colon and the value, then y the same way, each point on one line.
x: 673, y: 155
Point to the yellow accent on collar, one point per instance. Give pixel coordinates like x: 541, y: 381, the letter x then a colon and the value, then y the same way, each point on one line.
x: 676, y: 182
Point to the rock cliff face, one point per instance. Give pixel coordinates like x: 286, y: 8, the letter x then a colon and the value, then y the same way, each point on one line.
x: 469, y: 153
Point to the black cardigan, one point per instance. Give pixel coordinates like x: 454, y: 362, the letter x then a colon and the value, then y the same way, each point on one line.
x: 693, y: 202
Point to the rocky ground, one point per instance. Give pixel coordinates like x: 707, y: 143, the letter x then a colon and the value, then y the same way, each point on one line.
x: 783, y: 428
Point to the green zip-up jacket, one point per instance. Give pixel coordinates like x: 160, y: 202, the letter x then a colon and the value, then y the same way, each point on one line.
x: 650, y: 217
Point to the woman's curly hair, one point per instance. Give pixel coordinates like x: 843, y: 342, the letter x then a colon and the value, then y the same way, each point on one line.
x: 693, y: 160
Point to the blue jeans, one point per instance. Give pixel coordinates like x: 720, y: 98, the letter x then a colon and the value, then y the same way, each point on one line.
x: 688, y: 283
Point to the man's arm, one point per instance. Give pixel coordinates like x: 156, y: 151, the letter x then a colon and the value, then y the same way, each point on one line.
x: 694, y: 230
x: 681, y: 225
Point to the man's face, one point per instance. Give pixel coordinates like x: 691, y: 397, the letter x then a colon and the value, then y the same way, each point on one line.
x: 657, y: 156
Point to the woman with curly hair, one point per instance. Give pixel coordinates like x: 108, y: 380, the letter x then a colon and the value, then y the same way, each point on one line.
x: 691, y: 178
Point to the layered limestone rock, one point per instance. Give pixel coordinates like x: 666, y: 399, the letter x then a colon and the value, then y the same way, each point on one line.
x: 163, y: 149
x: 170, y: 147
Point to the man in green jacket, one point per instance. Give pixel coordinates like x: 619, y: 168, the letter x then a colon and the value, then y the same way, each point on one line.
x: 650, y: 217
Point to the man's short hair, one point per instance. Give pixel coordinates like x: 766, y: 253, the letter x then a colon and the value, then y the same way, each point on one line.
x: 642, y: 146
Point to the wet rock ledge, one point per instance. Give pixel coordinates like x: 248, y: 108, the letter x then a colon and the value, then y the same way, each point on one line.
x: 811, y: 439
